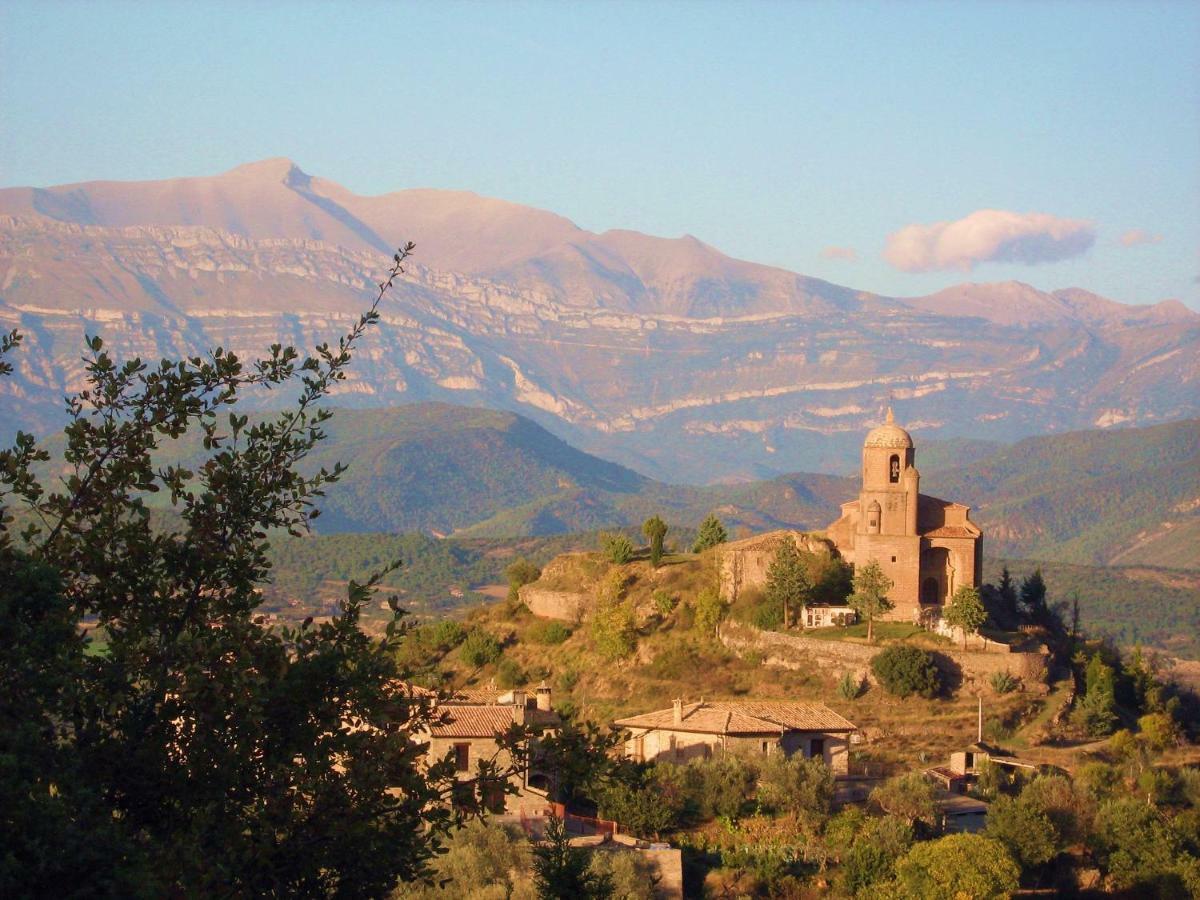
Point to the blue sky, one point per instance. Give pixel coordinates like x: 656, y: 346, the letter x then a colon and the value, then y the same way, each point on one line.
x: 775, y: 131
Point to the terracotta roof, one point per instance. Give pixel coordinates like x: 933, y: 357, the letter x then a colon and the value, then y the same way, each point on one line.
x: 485, y: 721
x: 743, y: 717
x: 951, y: 531
x: 474, y: 721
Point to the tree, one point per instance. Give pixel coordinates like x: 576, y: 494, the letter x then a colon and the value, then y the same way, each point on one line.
x: 1006, y: 591
x: 870, y: 596
x: 561, y: 870
x: 787, y: 580
x: 1033, y: 596
x: 655, y: 529
x: 519, y: 573
x: 206, y: 750
x: 957, y: 866
x: 480, y: 648
x: 1026, y: 831
x: 1097, y: 712
x: 799, y: 786
x: 711, y: 533
x: 905, y: 670
x: 616, y: 546
x: 872, y: 858
x: 966, y: 611
x: 1136, y: 849
x: 710, y: 610
x: 909, y: 798
x: 613, y: 627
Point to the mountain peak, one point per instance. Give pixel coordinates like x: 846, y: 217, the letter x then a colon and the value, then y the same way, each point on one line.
x: 277, y: 168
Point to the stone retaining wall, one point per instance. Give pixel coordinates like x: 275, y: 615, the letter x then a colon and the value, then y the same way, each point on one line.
x: 793, y: 651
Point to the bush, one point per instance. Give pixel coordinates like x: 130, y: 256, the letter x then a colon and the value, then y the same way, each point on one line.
x: 480, y: 648
x: 849, y: 686
x: 664, y: 603
x: 548, y: 632
x: 1003, y: 682
x: 616, y: 546
x: 509, y: 674
x: 905, y: 670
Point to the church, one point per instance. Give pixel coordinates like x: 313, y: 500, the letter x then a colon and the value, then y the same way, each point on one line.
x: 928, y: 547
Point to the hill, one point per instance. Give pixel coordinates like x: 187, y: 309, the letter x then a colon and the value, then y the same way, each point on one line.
x: 660, y: 353
x: 1125, y: 497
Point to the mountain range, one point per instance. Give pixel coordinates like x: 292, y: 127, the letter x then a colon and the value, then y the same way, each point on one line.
x: 661, y: 354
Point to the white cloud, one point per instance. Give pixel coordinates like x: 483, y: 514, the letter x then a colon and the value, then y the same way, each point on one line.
x: 847, y: 253
x: 988, y: 235
x: 1137, y: 236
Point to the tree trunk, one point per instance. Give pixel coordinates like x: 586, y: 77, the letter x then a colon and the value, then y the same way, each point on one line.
x: 870, y: 629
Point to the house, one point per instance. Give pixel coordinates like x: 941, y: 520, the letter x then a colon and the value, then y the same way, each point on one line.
x: 706, y: 729
x: 827, y: 615
x: 469, y: 726
x: 961, y: 814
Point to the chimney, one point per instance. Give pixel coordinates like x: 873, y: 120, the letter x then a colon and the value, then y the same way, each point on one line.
x: 543, y: 697
x: 677, y: 712
x: 518, y: 702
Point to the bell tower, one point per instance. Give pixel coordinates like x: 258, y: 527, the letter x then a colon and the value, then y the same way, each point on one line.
x: 890, y: 481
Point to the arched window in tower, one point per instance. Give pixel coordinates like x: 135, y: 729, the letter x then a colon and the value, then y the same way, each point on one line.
x: 894, y: 469
x: 873, y: 513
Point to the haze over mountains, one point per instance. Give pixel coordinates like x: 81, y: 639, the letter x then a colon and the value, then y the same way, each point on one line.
x: 662, y: 354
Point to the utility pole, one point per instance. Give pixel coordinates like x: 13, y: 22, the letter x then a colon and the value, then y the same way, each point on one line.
x: 979, y: 737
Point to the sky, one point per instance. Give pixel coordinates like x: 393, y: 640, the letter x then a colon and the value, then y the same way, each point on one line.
x: 895, y: 147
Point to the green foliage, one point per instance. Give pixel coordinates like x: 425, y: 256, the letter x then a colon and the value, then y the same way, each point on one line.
x: 561, y: 870
x: 1159, y: 731
x: 203, y: 752
x: 509, y: 674
x: 548, y: 631
x: 870, y: 596
x: 849, y: 686
x: 872, y: 857
x: 712, y: 532
x: 519, y: 573
x: 613, y: 629
x: 788, y: 587
x: 1026, y: 831
x: 957, y: 866
x: 908, y: 797
x: 1003, y: 682
x: 904, y: 670
x: 655, y: 529
x: 1033, y: 595
x: 797, y: 786
x: 482, y: 862
x: 617, y: 548
x: 1136, y: 849
x: 710, y: 611
x: 664, y: 602
x: 1097, y: 711
x: 965, y: 611
x: 480, y: 648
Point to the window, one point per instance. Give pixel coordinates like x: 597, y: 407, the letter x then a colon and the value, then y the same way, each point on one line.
x: 894, y: 469
x: 766, y: 747
x: 816, y: 748
x: 462, y: 757
x: 893, y: 559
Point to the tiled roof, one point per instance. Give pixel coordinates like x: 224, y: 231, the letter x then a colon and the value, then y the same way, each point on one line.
x: 473, y: 721
x: 951, y: 531
x: 461, y: 720
x: 743, y: 717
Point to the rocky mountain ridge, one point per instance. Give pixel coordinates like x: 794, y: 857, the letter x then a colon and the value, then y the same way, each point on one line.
x: 661, y: 354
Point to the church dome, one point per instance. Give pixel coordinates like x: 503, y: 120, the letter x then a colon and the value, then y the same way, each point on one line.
x: 889, y: 435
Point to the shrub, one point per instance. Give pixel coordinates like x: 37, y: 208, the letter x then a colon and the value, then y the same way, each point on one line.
x: 568, y: 678
x: 767, y: 615
x: 905, y: 670
x: 519, y: 573
x: 509, y: 674
x: 959, y: 865
x: 480, y: 648
x: 1003, y: 682
x: 548, y: 632
x: 614, y: 630
x: 664, y: 603
x: 849, y: 686
x: 616, y: 546
x: 802, y: 787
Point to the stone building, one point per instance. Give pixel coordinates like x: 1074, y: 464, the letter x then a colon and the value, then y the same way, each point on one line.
x: 689, y: 731
x: 468, y: 730
x: 926, y: 546
x: 743, y: 564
